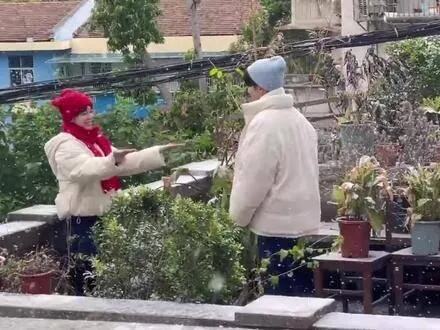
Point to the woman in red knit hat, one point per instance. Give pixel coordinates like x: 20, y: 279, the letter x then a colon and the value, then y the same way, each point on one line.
x: 88, y: 168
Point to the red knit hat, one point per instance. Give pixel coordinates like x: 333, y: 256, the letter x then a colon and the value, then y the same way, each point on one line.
x: 71, y: 103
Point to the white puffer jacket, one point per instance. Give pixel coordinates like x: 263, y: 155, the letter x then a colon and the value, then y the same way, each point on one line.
x: 79, y: 174
x: 276, y: 179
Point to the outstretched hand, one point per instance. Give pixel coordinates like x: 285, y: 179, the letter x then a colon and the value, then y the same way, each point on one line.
x: 119, y: 154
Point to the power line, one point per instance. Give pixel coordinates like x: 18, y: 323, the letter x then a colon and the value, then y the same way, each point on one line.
x: 199, y: 68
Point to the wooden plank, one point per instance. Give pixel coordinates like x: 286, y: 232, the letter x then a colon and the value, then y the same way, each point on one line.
x: 381, y: 299
x: 331, y: 99
x: 422, y: 287
x: 348, y: 293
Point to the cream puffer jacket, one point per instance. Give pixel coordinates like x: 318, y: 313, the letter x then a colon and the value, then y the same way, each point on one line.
x: 79, y: 174
x: 276, y: 178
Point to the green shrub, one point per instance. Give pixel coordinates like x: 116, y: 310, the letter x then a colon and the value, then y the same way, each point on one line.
x: 151, y: 246
x: 422, y: 57
x: 25, y: 175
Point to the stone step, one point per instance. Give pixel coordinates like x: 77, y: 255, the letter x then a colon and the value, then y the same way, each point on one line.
x: 46, y: 213
x: 19, y: 237
x: 53, y: 324
x: 115, y: 310
x: 345, y: 321
x: 284, y: 312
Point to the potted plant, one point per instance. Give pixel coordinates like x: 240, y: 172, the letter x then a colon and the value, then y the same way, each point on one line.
x: 37, y: 270
x: 360, y: 200
x: 9, y: 281
x: 387, y: 153
x: 423, y: 194
x: 432, y: 109
x: 399, y: 205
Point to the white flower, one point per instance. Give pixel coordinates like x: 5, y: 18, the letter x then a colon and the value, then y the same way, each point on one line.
x: 368, y: 160
x: 347, y: 186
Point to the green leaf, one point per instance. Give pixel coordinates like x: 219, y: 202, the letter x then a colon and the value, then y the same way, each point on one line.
x: 297, y: 252
x: 376, y: 220
x: 213, y: 72
x: 240, y: 72
x: 265, y: 262
x: 421, y: 202
x: 274, y: 280
x: 338, y: 195
x: 283, y: 254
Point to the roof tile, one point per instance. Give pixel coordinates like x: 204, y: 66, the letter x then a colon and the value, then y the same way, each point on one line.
x: 19, y: 21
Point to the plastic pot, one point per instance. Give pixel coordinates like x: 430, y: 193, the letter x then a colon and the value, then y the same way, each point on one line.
x: 425, y: 238
x: 356, y: 237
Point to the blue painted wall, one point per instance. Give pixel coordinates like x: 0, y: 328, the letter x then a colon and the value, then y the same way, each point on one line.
x: 4, y: 71
x: 104, y: 102
x: 46, y: 71
x: 42, y: 70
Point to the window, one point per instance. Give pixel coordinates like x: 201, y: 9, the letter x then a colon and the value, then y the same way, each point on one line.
x: 21, y: 70
x: 96, y: 68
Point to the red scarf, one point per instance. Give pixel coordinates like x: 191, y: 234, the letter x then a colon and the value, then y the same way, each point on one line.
x: 92, y: 138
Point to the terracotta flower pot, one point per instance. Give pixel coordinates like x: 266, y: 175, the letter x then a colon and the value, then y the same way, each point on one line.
x: 387, y: 154
x: 356, y: 237
x: 37, y: 283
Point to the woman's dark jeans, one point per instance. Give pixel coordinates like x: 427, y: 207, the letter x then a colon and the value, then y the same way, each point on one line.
x: 82, y: 247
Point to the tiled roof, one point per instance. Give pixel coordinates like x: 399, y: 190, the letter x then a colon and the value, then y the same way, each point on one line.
x: 217, y: 17
x: 19, y: 21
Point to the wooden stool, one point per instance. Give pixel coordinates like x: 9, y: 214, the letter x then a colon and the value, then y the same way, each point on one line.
x: 401, y: 259
x: 377, y: 260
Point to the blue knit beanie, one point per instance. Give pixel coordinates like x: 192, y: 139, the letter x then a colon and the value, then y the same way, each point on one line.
x: 268, y: 73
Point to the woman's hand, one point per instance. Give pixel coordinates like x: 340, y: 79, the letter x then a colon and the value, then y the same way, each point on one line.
x: 165, y: 150
x: 119, y: 154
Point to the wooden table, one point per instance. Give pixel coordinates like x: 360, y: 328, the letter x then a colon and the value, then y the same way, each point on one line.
x: 377, y: 260
x: 329, y: 231
x: 404, y: 258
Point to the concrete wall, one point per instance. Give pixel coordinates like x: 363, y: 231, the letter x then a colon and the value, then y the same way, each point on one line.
x: 349, y: 27
x: 268, y: 312
x: 315, y: 14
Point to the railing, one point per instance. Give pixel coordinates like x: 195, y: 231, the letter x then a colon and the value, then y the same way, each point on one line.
x: 412, y: 8
x: 397, y: 11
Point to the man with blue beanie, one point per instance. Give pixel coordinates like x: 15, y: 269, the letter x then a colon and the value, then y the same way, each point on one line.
x: 275, y: 191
